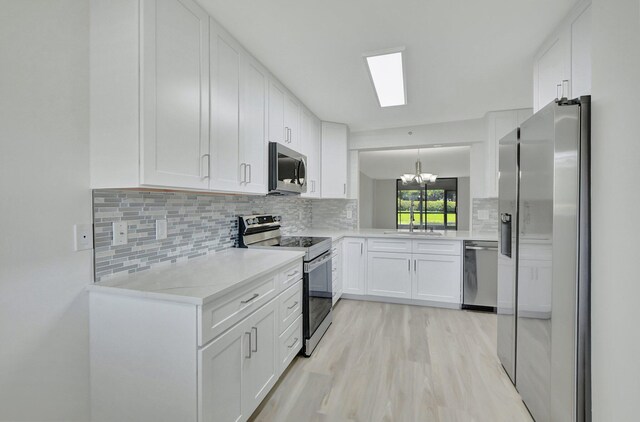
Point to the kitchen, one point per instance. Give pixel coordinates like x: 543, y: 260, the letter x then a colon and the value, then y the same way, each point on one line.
x: 137, y: 198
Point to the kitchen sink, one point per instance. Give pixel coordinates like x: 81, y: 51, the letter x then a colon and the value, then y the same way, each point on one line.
x: 414, y: 233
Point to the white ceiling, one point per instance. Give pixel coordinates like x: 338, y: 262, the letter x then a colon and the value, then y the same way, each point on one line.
x: 463, y: 57
x: 390, y: 164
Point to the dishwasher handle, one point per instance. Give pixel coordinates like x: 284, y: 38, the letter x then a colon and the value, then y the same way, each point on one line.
x: 480, y: 248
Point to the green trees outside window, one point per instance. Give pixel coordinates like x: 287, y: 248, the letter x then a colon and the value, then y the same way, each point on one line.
x: 435, y: 204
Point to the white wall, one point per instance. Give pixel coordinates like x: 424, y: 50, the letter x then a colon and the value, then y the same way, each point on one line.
x: 390, y: 164
x: 384, y: 204
x: 615, y: 164
x: 44, y: 183
x: 459, y: 132
x: 464, y: 203
x: 365, y: 202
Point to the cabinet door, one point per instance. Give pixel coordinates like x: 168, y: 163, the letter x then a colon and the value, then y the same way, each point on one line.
x: 225, y: 105
x: 354, y: 264
x: 437, y: 278
x: 389, y: 274
x: 309, y: 146
x: 276, y: 113
x: 292, y: 121
x: 581, y: 54
x: 175, y: 83
x: 253, y: 126
x: 334, y: 160
x: 551, y: 67
x: 261, y: 369
x: 221, y: 377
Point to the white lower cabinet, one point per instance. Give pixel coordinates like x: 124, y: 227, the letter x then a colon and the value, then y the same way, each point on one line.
x: 425, y: 270
x: 337, y: 275
x: 160, y: 360
x: 437, y: 278
x: 389, y: 274
x: 354, y: 261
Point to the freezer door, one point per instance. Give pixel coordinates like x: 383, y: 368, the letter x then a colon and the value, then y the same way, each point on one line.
x: 507, y: 251
x: 547, y: 262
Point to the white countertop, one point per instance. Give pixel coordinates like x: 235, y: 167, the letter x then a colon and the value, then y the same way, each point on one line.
x: 335, y: 234
x: 202, y: 279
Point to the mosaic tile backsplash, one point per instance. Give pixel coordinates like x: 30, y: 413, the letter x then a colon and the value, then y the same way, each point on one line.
x: 197, y: 224
x: 485, y: 207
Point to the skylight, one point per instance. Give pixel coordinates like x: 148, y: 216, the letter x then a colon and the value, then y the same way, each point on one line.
x: 387, y: 75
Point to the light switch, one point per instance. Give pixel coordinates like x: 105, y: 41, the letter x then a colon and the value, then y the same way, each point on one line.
x: 120, y: 232
x: 83, y: 237
x: 161, y: 229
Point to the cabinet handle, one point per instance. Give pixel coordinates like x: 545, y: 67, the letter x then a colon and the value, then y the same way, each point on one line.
x: 249, y: 166
x: 290, y: 135
x: 361, y: 248
x: 243, y: 172
x: 255, y: 295
x: 291, y: 274
x: 415, y: 265
x: 345, y: 188
x: 409, y: 265
x: 249, y: 334
x: 208, y: 157
x: 295, y: 341
x: 293, y: 306
x: 255, y: 329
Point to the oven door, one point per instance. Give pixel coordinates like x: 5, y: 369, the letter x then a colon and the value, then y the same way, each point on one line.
x: 287, y: 170
x: 317, y: 293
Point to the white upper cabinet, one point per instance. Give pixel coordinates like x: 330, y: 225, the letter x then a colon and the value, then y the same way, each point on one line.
x: 180, y: 104
x: 581, y: 54
x: 175, y: 65
x: 565, y: 56
x: 238, y: 113
x: 276, y: 113
x: 284, y: 116
x: 292, y: 121
x: 310, y: 145
x: 334, y: 160
x: 253, y: 125
x: 225, y: 170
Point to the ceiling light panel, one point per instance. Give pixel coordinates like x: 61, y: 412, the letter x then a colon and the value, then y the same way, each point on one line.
x: 387, y: 75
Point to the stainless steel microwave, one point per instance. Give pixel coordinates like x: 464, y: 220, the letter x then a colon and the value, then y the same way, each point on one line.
x: 287, y: 170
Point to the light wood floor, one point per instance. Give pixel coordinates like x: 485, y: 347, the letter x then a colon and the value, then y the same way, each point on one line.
x: 385, y: 362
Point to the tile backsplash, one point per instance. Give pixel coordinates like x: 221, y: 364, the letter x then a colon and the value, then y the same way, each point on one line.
x: 485, y: 215
x: 197, y: 224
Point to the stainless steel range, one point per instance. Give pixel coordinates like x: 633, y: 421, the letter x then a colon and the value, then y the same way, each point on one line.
x: 263, y: 231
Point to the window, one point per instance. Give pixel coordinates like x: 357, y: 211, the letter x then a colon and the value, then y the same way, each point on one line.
x: 434, y: 204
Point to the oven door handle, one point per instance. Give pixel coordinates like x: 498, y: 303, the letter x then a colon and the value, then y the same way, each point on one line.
x: 323, y: 259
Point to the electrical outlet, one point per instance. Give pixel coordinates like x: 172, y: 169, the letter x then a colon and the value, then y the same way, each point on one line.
x: 120, y: 232
x: 349, y: 213
x: 161, y: 229
x: 83, y: 237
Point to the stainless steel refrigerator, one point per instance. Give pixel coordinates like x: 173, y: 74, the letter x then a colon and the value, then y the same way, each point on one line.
x: 543, y: 261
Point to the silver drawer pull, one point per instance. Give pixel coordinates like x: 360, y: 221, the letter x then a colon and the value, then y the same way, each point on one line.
x: 255, y: 295
x: 256, y: 344
x: 295, y: 341
x: 292, y: 274
x: 249, y: 334
x: 293, y: 306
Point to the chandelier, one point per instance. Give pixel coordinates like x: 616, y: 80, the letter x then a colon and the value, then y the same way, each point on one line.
x: 419, y: 177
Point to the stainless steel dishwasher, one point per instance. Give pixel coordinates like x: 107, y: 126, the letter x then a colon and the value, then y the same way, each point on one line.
x: 480, y: 275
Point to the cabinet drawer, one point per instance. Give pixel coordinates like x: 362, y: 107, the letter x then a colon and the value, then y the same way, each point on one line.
x: 290, y: 275
x: 290, y: 304
x: 437, y: 247
x: 389, y: 245
x: 222, y: 313
x: 290, y: 343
